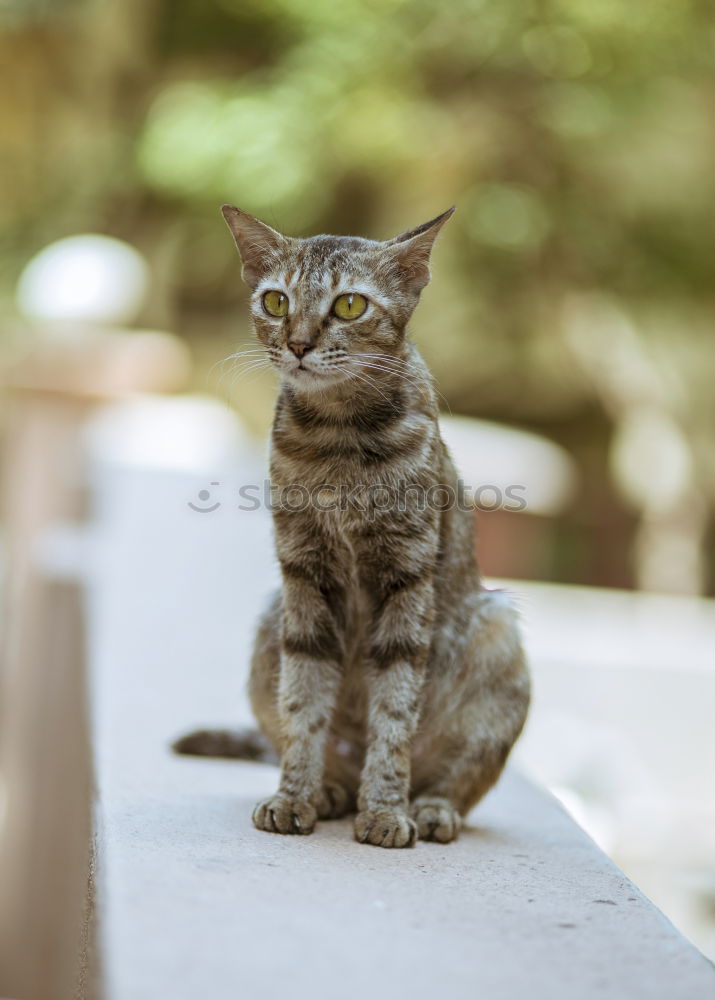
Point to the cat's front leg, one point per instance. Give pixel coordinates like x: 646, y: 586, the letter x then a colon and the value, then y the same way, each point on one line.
x: 306, y: 699
x: 310, y: 671
x: 395, y: 678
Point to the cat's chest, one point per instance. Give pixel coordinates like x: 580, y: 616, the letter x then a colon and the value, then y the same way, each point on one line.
x: 340, y: 485
x: 344, y: 483
x: 335, y: 460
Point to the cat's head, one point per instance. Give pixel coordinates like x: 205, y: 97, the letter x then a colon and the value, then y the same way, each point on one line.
x: 324, y: 304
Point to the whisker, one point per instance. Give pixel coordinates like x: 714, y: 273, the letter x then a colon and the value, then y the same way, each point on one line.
x: 253, y: 366
x: 238, y: 354
x: 371, y: 383
x: 236, y: 370
x: 402, y: 378
x: 241, y: 360
x: 409, y: 379
x: 390, y: 371
x: 401, y: 365
x: 389, y: 359
x: 249, y: 367
x: 246, y: 362
x: 422, y: 373
x: 253, y: 380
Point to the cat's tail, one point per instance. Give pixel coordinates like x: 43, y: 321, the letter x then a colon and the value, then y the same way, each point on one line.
x: 239, y: 744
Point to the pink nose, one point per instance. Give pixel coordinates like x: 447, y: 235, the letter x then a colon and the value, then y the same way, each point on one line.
x: 299, y: 347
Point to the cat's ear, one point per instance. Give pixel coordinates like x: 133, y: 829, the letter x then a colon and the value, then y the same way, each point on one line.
x: 257, y: 243
x: 411, y: 250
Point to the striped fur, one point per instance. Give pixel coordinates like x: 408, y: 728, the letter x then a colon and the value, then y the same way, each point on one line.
x: 388, y: 679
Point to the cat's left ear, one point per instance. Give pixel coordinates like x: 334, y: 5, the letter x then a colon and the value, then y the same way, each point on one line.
x: 257, y: 243
x: 411, y: 250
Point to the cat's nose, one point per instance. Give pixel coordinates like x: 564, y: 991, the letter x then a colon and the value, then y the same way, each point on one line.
x: 300, y: 347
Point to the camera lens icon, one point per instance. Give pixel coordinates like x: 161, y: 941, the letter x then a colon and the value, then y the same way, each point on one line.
x: 204, y: 496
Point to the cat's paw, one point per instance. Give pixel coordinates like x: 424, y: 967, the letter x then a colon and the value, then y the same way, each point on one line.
x: 436, y: 819
x: 385, y: 828
x: 334, y: 801
x: 280, y: 814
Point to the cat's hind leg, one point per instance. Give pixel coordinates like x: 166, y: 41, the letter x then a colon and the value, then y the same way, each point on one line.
x: 475, y: 704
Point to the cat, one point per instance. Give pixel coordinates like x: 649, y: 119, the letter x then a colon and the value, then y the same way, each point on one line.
x: 388, y: 680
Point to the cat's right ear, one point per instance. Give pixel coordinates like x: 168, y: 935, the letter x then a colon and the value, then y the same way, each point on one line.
x: 257, y: 243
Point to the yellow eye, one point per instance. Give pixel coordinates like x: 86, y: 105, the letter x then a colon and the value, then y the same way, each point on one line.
x: 275, y: 303
x: 350, y: 306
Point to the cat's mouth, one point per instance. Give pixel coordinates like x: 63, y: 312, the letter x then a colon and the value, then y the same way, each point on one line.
x: 305, y: 375
x: 302, y: 367
x: 301, y: 371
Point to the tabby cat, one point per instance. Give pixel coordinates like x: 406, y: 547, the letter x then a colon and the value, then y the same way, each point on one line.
x: 390, y: 682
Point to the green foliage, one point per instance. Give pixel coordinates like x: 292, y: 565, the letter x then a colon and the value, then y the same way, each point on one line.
x: 576, y: 137
x: 577, y: 129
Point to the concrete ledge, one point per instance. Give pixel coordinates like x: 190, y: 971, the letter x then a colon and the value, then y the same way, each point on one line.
x: 193, y: 902
x: 198, y: 903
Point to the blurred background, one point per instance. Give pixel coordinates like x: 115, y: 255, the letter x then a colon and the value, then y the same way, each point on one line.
x: 570, y: 316
x: 573, y: 293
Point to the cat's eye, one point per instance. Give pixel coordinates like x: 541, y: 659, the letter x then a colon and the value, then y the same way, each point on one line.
x: 275, y: 303
x: 349, y: 306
